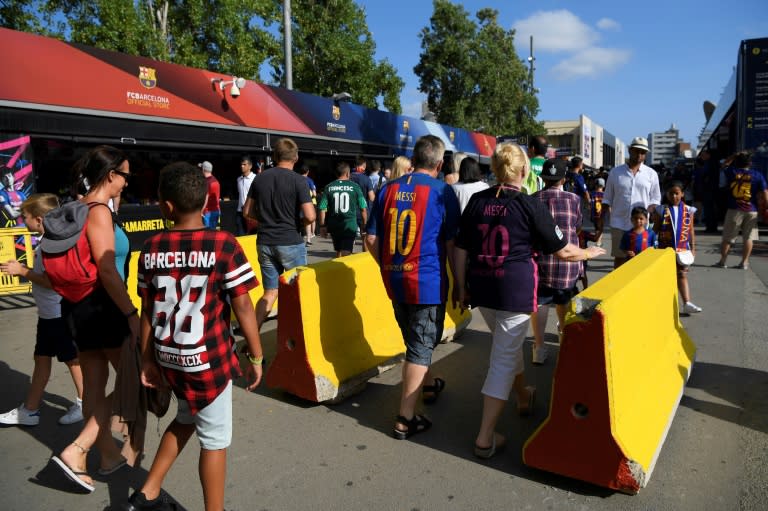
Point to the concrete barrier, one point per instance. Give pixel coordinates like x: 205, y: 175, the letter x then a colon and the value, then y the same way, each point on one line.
x: 622, y: 367
x: 337, y: 329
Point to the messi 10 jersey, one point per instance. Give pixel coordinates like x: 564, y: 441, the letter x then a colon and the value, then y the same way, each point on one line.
x: 413, y: 218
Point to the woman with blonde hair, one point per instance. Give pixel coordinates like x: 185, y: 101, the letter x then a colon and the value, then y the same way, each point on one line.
x: 497, y: 233
x: 400, y: 167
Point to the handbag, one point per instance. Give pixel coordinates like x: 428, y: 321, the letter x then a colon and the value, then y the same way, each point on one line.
x: 684, y: 257
x: 158, y: 400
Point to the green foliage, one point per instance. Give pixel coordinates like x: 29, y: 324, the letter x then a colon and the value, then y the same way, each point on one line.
x: 333, y: 51
x: 472, y: 75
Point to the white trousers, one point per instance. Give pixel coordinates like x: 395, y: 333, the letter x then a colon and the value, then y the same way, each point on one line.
x: 506, y: 361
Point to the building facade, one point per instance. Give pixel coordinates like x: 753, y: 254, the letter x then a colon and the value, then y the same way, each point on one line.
x: 586, y: 138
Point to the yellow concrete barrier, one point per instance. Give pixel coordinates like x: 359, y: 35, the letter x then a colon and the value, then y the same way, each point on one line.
x: 15, y: 243
x: 620, y: 374
x: 337, y: 329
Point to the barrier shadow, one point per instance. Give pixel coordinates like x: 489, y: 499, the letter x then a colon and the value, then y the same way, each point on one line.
x: 745, y: 392
x: 56, y: 437
x: 456, y: 414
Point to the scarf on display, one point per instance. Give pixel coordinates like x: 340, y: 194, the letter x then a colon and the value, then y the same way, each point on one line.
x: 676, y: 227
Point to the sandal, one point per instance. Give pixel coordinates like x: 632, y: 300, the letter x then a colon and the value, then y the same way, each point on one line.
x: 525, y: 411
x: 435, y: 389
x: 417, y: 424
x: 74, y: 475
x: 489, y: 452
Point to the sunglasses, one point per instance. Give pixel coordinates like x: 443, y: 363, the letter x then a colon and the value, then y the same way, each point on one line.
x: 125, y: 175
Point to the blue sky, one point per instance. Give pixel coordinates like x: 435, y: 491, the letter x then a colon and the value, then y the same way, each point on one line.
x: 631, y: 67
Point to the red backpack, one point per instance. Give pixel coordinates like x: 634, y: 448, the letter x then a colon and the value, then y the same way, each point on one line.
x: 66, y: 253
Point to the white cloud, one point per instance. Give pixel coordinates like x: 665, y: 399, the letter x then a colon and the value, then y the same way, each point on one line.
x: 608, y: 24
x: 590, y: 63
x: 553, y: 31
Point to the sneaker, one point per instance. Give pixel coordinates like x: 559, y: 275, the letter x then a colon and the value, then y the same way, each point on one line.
x: 742, y: 266
x: 138, y: 502
x: 540, y: 354
x: 21, y: 417
x: 719, y: 265
x: 691, y: 308
x: 73, y: 415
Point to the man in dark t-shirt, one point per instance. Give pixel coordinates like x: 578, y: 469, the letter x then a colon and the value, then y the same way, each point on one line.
x: 276, y: 200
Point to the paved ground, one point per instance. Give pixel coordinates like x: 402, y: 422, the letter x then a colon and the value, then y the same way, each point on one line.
x: 288, y: 454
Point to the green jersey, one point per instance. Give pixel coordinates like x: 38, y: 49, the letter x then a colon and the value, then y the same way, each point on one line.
x: 342, y: 199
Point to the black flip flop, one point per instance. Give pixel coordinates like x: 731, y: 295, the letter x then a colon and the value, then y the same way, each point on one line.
x: 436, y: 388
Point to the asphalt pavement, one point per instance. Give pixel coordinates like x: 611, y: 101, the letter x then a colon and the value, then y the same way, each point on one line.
x: 289, y: 454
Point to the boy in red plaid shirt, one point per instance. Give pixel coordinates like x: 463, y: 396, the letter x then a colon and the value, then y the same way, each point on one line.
x: 187, y: 278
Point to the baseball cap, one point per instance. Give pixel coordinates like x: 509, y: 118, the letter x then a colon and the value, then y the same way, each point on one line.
x: 553, y: 170
x: 639, y: 143
x: 206, y: 166
x: 600, y: 181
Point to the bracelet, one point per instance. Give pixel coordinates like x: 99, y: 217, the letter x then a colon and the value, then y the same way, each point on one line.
x: 586, y: 255
x: 131, y: 312
x: 255, y: 360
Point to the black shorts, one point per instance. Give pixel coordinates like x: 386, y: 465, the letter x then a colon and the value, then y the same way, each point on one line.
x: 344, y: 243
x: 53, y: 340
x: 547, y: 295
x: 95, y: 322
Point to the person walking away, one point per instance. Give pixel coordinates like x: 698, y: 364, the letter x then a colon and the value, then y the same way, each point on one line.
x: 557, y: 278
x: 212, y: 209
x: 103, y: 318
x: 309, y: 229
x: 364, y: 182
x: 339, y: 205
x: 537, y: 152
x: 277, y: 200
x: 500, y: 231
x: 244, y: 181
x: 596, y: 210
x: 470, y: 181
x: 187, y: 344
x: 410, y: 235
x: 747, y: 195
x: 674, y: 229
x: 629, y: 185
x: 53, y: 337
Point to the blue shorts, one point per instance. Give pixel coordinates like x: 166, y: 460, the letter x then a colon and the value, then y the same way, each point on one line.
x: 213, y: 424
x: 275, y: 259
x: 422, y: 329
x: 54, y: 340
x: 547, y: 295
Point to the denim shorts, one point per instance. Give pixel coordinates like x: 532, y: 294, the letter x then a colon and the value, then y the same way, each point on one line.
x: 275, y: 259
x: 213, y: 424
x: 548, y: 295
x: 422, y: 329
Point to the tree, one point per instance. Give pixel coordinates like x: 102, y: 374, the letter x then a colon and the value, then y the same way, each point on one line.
x: 472, y: 75
x: 219, y: 35
x: 333, y: 51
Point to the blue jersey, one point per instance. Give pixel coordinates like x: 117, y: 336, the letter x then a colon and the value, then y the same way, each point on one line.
x: 412, y: 218
x: 637, y: 242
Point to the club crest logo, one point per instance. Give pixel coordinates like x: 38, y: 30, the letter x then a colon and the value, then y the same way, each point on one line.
x: 336, y: 112
x: 451, y: 135
x: 147, y: 77
x: 406, y: 126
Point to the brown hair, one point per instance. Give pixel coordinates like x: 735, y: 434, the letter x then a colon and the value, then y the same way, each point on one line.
x: 285, y: 150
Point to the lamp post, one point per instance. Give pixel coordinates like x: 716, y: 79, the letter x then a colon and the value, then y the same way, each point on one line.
x: 287, y: 44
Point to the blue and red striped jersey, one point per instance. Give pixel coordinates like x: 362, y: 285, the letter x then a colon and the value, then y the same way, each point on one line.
x: 637, y: 242
x: 413, y: 218
x: 185, y: 280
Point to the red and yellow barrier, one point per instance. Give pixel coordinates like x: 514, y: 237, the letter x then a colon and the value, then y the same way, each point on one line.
x: 337, y: 329
x: 620, y: 374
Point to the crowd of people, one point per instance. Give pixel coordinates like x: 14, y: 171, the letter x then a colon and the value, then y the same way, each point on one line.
x: 515, y: 247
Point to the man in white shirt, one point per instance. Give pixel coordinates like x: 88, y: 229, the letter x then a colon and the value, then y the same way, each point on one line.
x: 629, y: 185
x: 243, y: 185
